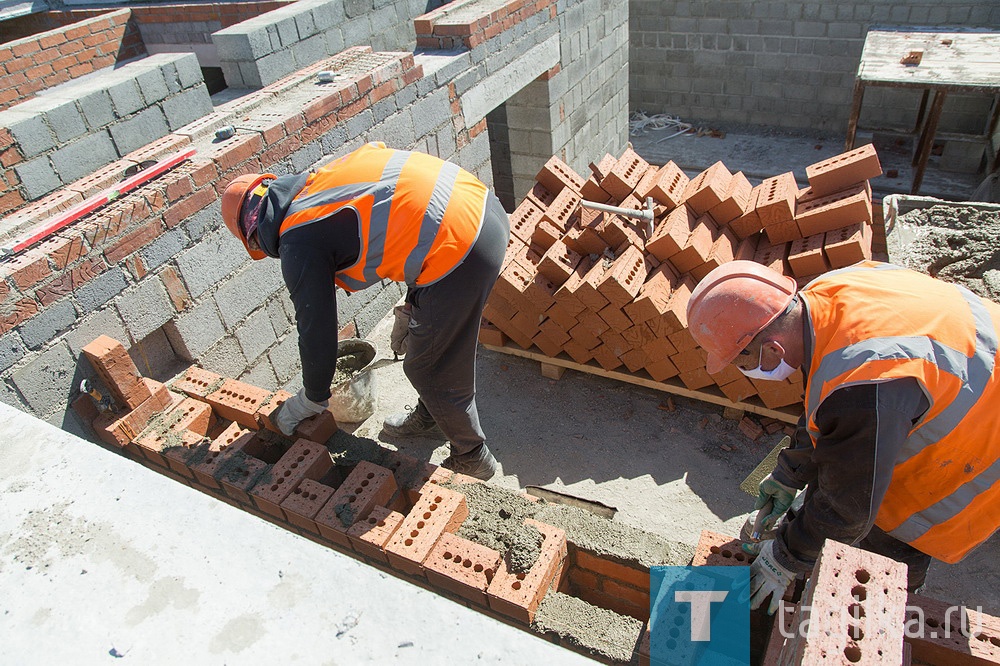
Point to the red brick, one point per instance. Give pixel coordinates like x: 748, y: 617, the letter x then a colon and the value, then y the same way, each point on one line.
x: 558, y: 263
x: 524, y: 219
x: 672, y: 233
x: 369, y: 536
x: 622, y: 282
x: 774, y: 257
x: 70, y: 281
x: 559, y: 212
x: 607, y: 568
x: 178, y: 293
x: 239, y: 474
x: 318, y: 428
x: 933, y: 631
x: 206, y: 463
x: 776, y: 199
x: 27, y: 269
x: 843, y: 170
x: 735, y: 202
x: 591, y: 191
x: 689, y: 359
x: 653, y: 296
x: 603, y: 167
x: 540, y: 196
x: 835, y: 210
x: 783, y: 628
x: 437, y: 511
x: 63, y: 250
x: 697, y: 246
x: 266, y: 412
x: 696, y: 379
x: 749, y: 223
x: 718, y: 550
x: 304, y: 502
x: 556, y: 175
x: 304, y: 460
x: 125, y: 429
x: 461, y: 566
x: 624, y: 175
x: 134, y: 240
x: 669, y: 187
x: 707, y: 189
x: 848, y: 245
x: 116, y: 369
x: 491, y: 335
x: 805, y: 256
x: 661, y: 369
x: 517, y: 595
x: 170, y: 448
x: 738, y: 390
x: 367, y: 486
x: 723, y: 250
x: 237, y: 401
x: 197, y: 382
x: 751, y: 428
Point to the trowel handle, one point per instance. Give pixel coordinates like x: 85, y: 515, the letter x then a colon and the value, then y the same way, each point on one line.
x: 758, y: 523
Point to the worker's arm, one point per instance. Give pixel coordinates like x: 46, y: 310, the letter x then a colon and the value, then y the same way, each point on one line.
x: 310, y: 258
x: 795, y: 467
x: 862, y: 429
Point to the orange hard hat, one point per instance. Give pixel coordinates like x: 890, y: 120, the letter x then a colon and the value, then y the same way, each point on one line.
x: 732, y: 304
x: 232, y: 206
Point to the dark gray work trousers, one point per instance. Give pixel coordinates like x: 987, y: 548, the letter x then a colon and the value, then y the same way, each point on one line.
x: 440, y: 357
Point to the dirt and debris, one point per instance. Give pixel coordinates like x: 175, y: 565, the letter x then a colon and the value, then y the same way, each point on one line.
x: 959, y: 244
x: 596, y: 631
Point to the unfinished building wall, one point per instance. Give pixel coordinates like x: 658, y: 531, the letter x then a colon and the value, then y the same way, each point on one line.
x: 784, y: 64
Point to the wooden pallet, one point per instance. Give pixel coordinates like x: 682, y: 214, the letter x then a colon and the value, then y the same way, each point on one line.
x: 554, y: 367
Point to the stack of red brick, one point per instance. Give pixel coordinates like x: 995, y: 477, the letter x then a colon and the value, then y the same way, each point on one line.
x: 611, y: 289
x: 217, y: 435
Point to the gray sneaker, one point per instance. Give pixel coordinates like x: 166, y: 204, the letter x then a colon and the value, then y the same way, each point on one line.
x: 411, y: 424
x: 478, y: 463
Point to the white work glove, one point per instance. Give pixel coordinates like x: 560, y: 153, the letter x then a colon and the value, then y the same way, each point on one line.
x: 767, y: 577
x: 295, y: 409
x: 400, y: 329
x: 775, y: 498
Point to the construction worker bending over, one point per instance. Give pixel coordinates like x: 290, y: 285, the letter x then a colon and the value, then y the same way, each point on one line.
x: 378, y: 214
x: 899, y: 443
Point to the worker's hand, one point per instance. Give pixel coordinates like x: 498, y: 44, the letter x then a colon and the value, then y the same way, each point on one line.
x: 400, y: 329
x: 295, y: 409
x: 767, y: 577
x: 778, y: 495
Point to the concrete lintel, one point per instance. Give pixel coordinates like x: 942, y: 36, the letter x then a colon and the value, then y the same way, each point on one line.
x: 494, y: 90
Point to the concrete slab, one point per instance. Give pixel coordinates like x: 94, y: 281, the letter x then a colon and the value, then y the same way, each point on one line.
x: 109, y: 559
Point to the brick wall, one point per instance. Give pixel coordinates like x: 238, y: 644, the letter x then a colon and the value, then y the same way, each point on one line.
x: 58, y: 55
x: 782, y: 64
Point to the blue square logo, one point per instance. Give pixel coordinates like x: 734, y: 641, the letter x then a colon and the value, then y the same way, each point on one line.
x: 699, y: 616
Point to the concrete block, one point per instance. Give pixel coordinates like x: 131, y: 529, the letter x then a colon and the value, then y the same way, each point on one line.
x: 140, y: 130
x: 97, y: 108
x: 163, y: 249
x: 66, y: 122
x: 372, y: 313
x: 204, y: 221
x: 80, y: 158
x: 284, y: 357
x: 103, y: 322
x: 207, y: 263
x: 279, y: 320
x: 48, y: 380
x: 261, y: 375
x: 29, y: 130
x: 241, y: 44
x: 125, y: 97
x: 282, y: 30
x: 144, y: 308
x: 12, y: 350
x: 187, y: 106
x: 272, y: 67
x: 255, y: 334
x: 195, y: 331
x: 37, y: 177
x: 236, y: 301
x: 99, y: 290
x: 44, y: 326
x: 309, y: 51
x: 152, y: 85
x: 188, y: 70
x: 225, y: 358
x: 327, y: 16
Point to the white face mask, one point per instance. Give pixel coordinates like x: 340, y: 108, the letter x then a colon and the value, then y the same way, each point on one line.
x: 782, y: 372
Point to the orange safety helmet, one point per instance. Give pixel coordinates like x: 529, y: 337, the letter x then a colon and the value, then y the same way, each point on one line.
x: 232, y: 205
x: 732, y: 304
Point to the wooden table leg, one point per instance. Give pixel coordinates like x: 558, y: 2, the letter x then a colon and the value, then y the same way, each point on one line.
x: 927, y: 139
x: 852, y: 123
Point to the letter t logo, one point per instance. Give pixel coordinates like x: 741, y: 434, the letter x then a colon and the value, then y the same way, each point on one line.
x: 701, y: 602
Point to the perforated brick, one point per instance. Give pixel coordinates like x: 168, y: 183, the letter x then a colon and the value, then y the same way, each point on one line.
x: 369, y: 536
x: 672, y: 233
x: 197, y: 382
x: 238, y: 401
x: 121, y: 431
x: 669, y: 186
x: 116, y: 369
x: 735, y: 201
x: 517, y: 595
x: 524, y: 219
x: 805, y: 256
x: 269, y: 409
x: 438, y: 510
x: 367, y: 486
x: 624, y: 175
x: 707, y: 189
x: 934, y: 632
x: 462, y: 567
x: 556, y: 175
x: 304, y: 502
x: 209, y: 459
x: 239, y: 473
x: 696, y: 247
x: 844, y: 170
x: 558, y: 263
x: 775, y: 203
x: 304, y: 460
x: 622, y: 282
x: 848, y: 245
x: 835, y: 210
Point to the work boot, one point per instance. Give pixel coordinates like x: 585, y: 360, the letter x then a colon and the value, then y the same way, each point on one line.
x: 478, y: 463
x: 412, y: 423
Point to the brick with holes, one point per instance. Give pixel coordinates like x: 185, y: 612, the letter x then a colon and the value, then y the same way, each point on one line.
x: 624, y: 175
x: 517, y: 594
x: 835, y: 210
x: 197, y: 382
x: 848, y: 245
x: 438, y: 510
x: 524, y: 219
x: 461, y: 566
x: 669, y: 186
x: 369, y: 536
x: 841, y: 171
x: 304, y: 502
x: 555, y: 175
x: 119, y: 431
x: 622, y: 282
x: 116, y: 369
x: 696, y: 247
x: 269, y: 409
x: 304, y: 460
x: 367, y: 486
x: 206, y: 462
x: 672, y: 233
x: 775, y: 207
x: 654, y: 294
x: 239, y: 473
x: 560, y: 211
x: 707, y: 189
x: 934, y: 632
x: 558, y: 263
x: 238, y: 401
x: 735, y: 202
x: 805, y: 256
x: 718, y: 550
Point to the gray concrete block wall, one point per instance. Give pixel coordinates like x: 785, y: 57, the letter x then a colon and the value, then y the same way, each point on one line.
x: 782, y: 64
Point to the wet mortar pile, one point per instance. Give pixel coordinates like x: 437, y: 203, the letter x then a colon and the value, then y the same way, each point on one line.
x: 348, y: 365
x: 959, y: 244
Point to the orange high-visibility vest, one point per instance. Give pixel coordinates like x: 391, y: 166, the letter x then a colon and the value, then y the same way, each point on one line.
x: 875, y: 322
x: 419, y: 215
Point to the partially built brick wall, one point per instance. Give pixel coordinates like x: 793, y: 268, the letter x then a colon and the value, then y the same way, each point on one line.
x: 783, y: 64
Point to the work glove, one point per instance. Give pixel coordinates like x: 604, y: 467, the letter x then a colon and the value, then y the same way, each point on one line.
x: 295, y: 409
x: 776, y: 495
x: 767, y: 577
x: 400, y: 329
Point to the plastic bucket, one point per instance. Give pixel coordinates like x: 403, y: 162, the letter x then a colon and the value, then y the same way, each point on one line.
x: 354, y: 399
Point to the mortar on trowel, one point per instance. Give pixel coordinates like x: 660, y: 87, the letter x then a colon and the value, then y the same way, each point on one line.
x: 354, y: 394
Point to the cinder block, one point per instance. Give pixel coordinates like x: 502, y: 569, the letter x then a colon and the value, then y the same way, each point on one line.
x: 670, y: 236
x: 834, y: 211
x: 197, y: 382
x: 461, y: 566
x: 438, y: 510
x: 517, y: 595
x: 116, y: 369
x: 805, y: 256
x: 556, y: 175
x: 707, y: 189
x: 304, y: 502
x: 669, y: 187
x: 369, y: 536
x: 238, y: 401
x: 304, y: 460
x: 367, y: 486
x: 848, y: 245
x: 735, y: 202
x: 844, y: 170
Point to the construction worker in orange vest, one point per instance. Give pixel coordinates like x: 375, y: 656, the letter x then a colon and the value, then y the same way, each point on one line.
x: 899, y: 443
x: 381, y: 214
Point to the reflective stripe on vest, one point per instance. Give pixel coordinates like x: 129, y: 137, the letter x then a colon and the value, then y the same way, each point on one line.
x: 418, y: 215
x: 957, y: 382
